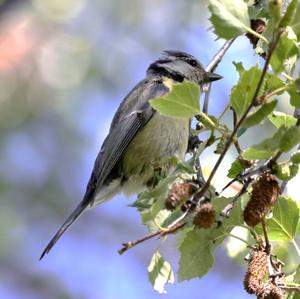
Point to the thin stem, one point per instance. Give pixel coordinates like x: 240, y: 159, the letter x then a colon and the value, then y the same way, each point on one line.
x: 291, y: 288
x: 219, y: 56
x: 296, y: 246
x: 287, y: 76
x: 236, y: 143
x: 266, y: 235
x: 233, y: 236
x: 274, y: 92
x: 253, y: 32
x: 272, y: 47
x: 206, y: 99
x: 242, y: 240
x: 226, y: 211
x: 160, y: 233
x: 227, y: 107
x: 211, y: 123
x: 211, y: 67
x: 131, y: 244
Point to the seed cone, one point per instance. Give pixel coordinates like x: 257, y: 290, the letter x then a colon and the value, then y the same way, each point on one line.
x: 269, y: 290
x: 205, y: 215
x: 257, y: 25
x: 178, y: 194
x: 263, y: 197
x: 257, y: 270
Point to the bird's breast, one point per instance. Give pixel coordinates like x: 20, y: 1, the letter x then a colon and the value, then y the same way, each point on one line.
x: 161, y: 137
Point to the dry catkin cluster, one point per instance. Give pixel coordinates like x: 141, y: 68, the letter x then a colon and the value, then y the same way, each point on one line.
x: 205, y: 215
x: 178, y: 194
x: 255, y: 275
x: 256, y: 272
x: 263, y: 197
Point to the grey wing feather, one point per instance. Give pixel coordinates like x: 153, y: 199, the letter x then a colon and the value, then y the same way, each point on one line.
x: 123, y: 129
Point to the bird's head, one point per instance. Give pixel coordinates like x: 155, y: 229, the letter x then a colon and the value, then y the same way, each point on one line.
x: 179, y: 66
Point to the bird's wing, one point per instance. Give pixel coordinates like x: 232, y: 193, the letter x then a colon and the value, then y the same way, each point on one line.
x: 122, y: 131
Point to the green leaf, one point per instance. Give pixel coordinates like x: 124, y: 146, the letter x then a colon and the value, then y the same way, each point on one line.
x: 229, y: 17
x: 296, y: 157
x: 290, y: 139
x: 160, y: 273
x: 286, y: 171
x: 242, y: 93
x: 279, y: 119
x: 235, y: 169
x: 289, y: 14
x: 239, y: 67
x: 275, y: 9
x: 273, y: 83
x: 267, y: 148
x: 196, y: 255
x: 198, y: 245
x: 283, y: 224
x: 259, y: 115
x: 283, y: 140
x: 285, y: 49
x: 294, y: 92
x: 182, y: 101
x: 295, y: 22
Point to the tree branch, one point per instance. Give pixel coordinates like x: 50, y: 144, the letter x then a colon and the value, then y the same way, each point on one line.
x: 272, y: 47
x: 211, y: 67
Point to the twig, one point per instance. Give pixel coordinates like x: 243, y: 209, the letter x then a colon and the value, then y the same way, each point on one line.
x: 161, y: 233
x: 171, y: 228
x: 272, y: 47
x: 219, y: 56
x: 291, y: 288
x: 234, y: 236
x: 266, y: 235
x: 131, y: 244
x: 259, y: 170
x: 236, y: 143
x: 206, y: 98
x: 226, y: 211
x: 211, y: 67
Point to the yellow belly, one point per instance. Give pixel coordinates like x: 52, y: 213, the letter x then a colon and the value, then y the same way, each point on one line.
x: 162, y: 137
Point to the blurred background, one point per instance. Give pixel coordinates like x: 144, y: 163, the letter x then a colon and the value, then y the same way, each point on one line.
x: 65, y: 66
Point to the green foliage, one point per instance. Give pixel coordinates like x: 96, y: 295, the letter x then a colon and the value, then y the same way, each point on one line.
x: 242, y: 93
x: 295, y: 18
x: 235, y: 169
x: 282, y: 226
x: 285, y: 50
x: 259, y: 115
x: 286, y: 170
x: 230, y: 18
x: 294, y: 91
x: 296, y: 157
x: 198, y: 245
x: 290, y: 139
x: 279, y: 119
x: 160, y: 273
x: 181, y: 101
x: 283, y: 140
x: 290, y: 14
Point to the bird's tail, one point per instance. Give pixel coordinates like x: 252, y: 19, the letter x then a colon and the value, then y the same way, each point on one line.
x: 76, y: 213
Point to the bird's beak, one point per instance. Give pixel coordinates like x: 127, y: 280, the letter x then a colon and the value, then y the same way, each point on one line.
x: 213, y: 77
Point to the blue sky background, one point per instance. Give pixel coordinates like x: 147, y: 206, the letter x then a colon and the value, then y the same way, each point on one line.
x: 64, y: 68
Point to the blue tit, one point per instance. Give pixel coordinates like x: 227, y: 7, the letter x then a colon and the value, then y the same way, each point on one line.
x: 140, y: 137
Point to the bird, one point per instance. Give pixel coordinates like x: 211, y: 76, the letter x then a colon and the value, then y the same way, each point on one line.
x: 139, y: 136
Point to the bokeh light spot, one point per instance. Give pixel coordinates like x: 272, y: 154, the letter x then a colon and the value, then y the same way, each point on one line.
x: 63, y: 61
x: 59, y: 10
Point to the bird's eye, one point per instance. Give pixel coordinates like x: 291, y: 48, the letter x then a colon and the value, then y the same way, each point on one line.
x: 193, y: 62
